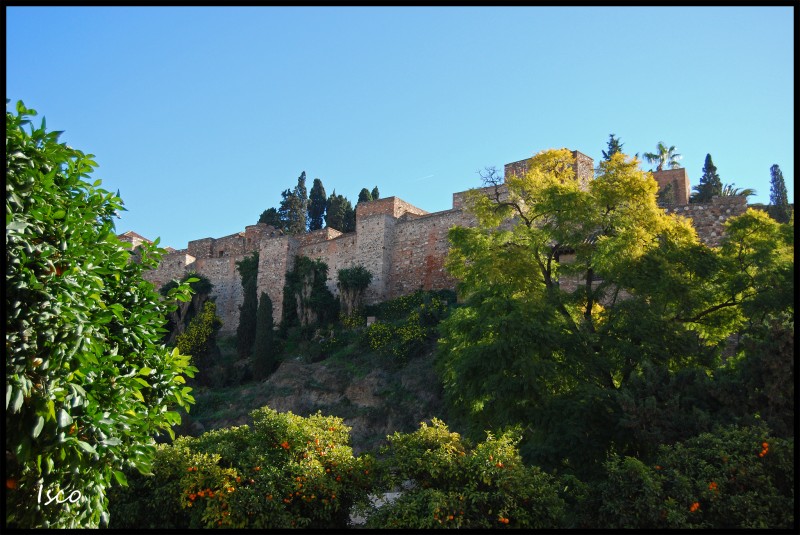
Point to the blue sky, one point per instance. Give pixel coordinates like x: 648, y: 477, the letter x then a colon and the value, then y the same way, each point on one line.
x: 201, y: 116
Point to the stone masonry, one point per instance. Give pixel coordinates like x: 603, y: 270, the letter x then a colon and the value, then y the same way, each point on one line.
x: 403, y: 246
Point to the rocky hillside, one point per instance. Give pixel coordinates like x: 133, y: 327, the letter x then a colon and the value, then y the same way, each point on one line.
x: 374, y: 395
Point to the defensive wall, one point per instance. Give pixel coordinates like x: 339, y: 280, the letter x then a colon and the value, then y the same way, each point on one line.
x: 404, y: 247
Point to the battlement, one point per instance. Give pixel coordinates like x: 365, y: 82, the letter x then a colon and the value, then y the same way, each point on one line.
x: 403, y: 246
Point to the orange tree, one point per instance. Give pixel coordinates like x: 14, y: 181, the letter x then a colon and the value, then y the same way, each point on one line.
x: 445, y: 483
x: 285, y: 471
x: 732, y: 478
x: 88, y: 381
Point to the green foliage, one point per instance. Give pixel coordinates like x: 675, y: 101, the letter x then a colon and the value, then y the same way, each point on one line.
x: 666, y: 195
x: 548, y: 340
x: 317, y: 203
x: 285, y: 472
x: 264, y: 351
x: 778, y: 198
x: 614, y: 146
x: 375, y: 193
x: 663, y: 156
x: 353, y: 283
x: 246, y: 330
x: 306, y: 298
x: 340, y: 214
x: 88, y: 382
x: 199, y: 340
x: 710, y: 183
x: 415, y: 321
x: 732, y: 478
x: 270, y: 216
x: 294, y: 207
x: 198, y: 283
x: 730, y: 190
x: 446, y: 483
x: 364, y: 195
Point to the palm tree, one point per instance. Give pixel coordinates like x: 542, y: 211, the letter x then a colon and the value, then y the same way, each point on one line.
x: 728, y: 190
x: 663, y: 156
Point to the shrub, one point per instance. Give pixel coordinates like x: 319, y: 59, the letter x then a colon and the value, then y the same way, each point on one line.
x: 448, y: 484
x: 732, y: 478
x: 286, y: 471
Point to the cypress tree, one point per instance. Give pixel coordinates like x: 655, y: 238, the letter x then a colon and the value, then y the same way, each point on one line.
x: 264, y: 354
x: 364, y: 196
x: 375, y: 194
x: 710, y: 183
x: 614, y: 146
x: 339, y: 214
x: 778, y: 197
x: 246, y: 331
x: 316, y: 205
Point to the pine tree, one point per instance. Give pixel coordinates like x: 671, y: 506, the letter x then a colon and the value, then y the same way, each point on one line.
x: 778, y: 197
x: 375, y: 194
x: 364, y: 196
x: 246, y: 331
x: 614, y: 146
x: 263, y: 349
x: 710, y: 183
x: 316, y: 205
x: 270, y: 216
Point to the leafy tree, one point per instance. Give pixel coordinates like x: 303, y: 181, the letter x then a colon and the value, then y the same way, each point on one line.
x: 264, y: 354
x: 340, y: 214
x: 88, y: 381
x: 200, y: 340
x: 710, y: 183
x: 614, y: 146
x: 569, y: 292
x: 246, y: 330
x: 375, y: 194
x: 730, y: 190
x: 778, y: 197
x: 663, y: 156
x: 316, y: 206
x: 270, y: 216
x: 364, y: 195
x: 352, y: 284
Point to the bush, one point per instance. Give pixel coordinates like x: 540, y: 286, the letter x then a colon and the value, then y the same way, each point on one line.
x: 448, y: 484
x: 732, y: 478
x: 286, y: 471
x: 88, y: 381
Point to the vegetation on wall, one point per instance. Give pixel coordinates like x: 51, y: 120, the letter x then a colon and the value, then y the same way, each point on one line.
x: 200, y: 341
x: 352, y: 283
x: 178, y: 318
x: 88, y: 381
x: 306, y: 298
x: 246, y: 330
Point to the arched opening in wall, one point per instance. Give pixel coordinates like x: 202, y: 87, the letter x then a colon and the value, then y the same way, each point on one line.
x: 221, y: 254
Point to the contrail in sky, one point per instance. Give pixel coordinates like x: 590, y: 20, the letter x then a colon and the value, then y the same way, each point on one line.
x: 422, y: 178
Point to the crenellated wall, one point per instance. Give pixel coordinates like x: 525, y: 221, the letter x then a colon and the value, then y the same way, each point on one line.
x: 404, y: 247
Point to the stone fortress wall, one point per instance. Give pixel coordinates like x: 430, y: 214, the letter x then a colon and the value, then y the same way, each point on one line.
x: 404, y: 247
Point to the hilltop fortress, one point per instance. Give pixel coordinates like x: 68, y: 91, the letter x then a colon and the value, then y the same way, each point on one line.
x: 404, y: 247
